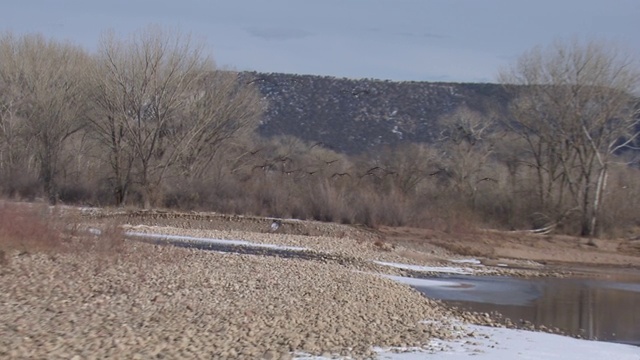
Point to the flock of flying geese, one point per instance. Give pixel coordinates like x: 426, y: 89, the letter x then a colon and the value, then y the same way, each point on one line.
x: 273, y: 165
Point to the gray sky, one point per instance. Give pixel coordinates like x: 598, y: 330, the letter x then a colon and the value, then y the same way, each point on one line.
x: 434, y: 40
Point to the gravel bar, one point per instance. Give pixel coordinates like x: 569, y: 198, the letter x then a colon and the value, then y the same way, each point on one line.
x: 168, y: 302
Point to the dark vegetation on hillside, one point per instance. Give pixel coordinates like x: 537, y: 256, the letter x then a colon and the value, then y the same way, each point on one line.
x: 354, y: 116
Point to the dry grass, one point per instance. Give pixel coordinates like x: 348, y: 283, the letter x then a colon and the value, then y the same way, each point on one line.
x: 27, y: 228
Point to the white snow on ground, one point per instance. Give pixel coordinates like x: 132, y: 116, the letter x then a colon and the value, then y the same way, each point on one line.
x: 437, y: 269
x: 181, y: 238
x: 213, y: 241
x: 466, y: 261
x: 501, y: 343
x: 440, y: 269
x: 421, y: 282
x: 507, y: 344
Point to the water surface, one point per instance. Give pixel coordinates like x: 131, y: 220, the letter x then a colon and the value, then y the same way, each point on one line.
x: 594, y: 309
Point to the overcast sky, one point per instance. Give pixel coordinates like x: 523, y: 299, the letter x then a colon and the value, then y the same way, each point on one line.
x: 434, y: 40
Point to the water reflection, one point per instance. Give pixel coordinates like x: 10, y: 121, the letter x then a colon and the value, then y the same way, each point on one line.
x: 594, y: 309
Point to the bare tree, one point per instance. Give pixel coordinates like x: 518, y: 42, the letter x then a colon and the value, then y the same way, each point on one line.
x: 408, y: 166
x: 11, y: 143
x: 161, y: 101
x: 575, y: 109
x: 43, y: 98
x: 467, y: 146
x: 222, y: 108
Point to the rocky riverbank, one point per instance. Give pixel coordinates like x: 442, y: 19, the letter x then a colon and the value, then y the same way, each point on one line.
x: 105, y: 297
x: 149, y: 301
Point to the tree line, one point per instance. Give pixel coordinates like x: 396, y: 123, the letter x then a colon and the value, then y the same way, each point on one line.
x: 149, y: 120
x: 140, y: 109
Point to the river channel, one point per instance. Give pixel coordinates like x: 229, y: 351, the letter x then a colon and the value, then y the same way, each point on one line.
x: 595, y: 309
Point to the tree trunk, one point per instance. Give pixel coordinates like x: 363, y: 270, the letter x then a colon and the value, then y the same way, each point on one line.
x: 121, y: 194
x: 597, y: 201
x: 48, y: 181
x: 146, y: 199
x: 585, y: 218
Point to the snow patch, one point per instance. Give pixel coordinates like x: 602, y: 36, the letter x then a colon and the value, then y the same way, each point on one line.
x: 422, y: 282
x: 467, y: 261
x: 436, y: 269
x: 213, y: 241
x: 503, y: 344
x: 490, y: 343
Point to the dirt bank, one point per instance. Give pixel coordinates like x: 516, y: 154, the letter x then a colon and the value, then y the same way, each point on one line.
x: 522, y: 249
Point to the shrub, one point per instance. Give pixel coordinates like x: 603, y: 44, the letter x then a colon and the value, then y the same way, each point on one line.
x: 28, y: 227
x: 31, y: 227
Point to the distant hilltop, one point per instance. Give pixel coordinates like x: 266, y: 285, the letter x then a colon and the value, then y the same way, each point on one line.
x: 354, y: 116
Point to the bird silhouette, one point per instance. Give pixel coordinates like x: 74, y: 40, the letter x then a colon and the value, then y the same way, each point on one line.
x: 340, y: 175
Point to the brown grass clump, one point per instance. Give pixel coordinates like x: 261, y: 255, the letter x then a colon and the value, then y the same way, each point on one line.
x: 383, y: 246
x: 4, y: 260
x: 28, y: 228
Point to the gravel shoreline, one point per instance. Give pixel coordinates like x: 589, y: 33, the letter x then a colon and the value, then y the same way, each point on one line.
x: 139, y: 300
x: 179, y: 303
x: 359, y: 252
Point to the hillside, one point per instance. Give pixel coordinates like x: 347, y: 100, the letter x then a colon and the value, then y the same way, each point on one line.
x: 352, y: 116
